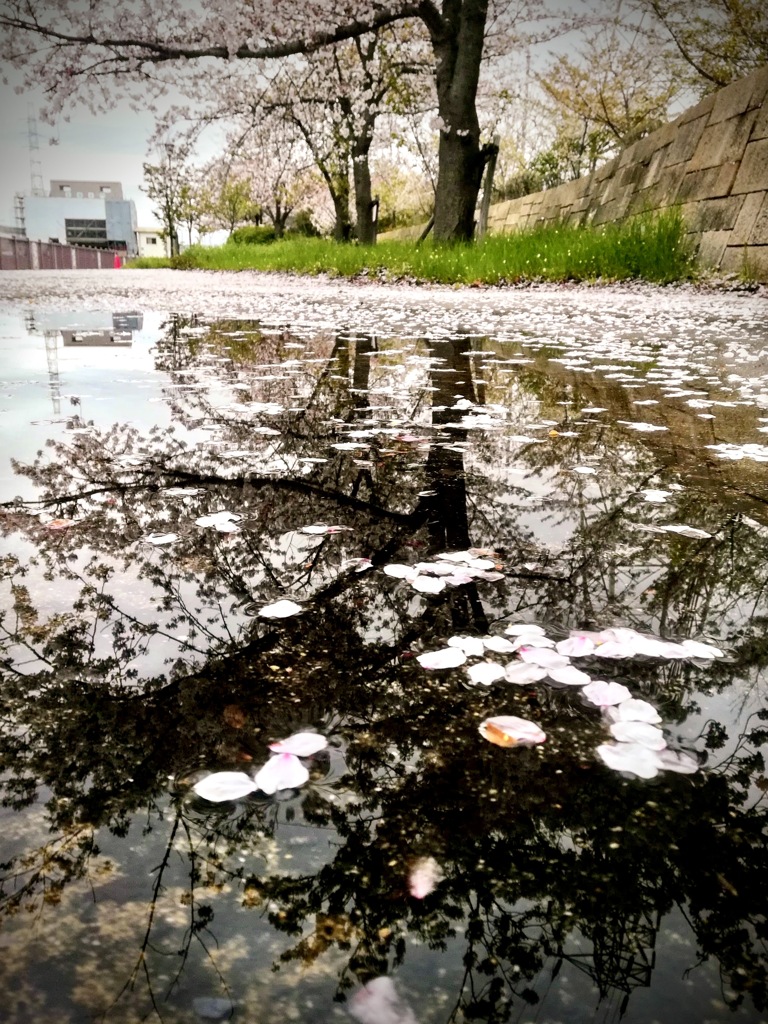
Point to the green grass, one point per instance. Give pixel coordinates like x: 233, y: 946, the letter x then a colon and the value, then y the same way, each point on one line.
x: 651, y: 248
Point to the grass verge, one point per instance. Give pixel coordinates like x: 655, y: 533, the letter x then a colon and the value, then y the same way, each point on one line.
x: 652, y: 248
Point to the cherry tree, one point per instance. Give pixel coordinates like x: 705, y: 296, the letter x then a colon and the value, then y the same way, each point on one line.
x: 77, y: 50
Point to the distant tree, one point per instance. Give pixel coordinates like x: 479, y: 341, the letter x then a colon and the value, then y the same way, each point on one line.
x: 715, y: 42
x: 164, y: 183
x: 230, y: 198
x: 613, y: 90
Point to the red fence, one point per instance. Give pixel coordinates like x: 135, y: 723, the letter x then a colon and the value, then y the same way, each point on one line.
x: 24, y: 254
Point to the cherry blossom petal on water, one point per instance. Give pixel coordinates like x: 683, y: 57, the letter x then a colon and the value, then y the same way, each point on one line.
x: 604, y: 694
x: 282, y: 771
x: 498, y: 644
x: 630, y: 757
x: 400, y: 572
x: 378, y: 1002
x: 575, y: 646
x: 428, y: 584
x: 280, y: 610
x: 472, y: 646
x: 634, y: 710
x: 424, y: 876
x: 302, y: 744
x: 446, y: 657
x: 678, y: 761
x: 510, y: 731
x: 520, y: 628
x: 521, y: 673
x: 569, y: 676
x: 157, y: 539
x: 644, y: 733
x: 531, y: 640
x: 696, y: 649
x: 486, y: 672
x: 220, y: 786
x: 543, y: 656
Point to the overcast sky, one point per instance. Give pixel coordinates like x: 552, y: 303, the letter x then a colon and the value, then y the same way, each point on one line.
x: 112, y: 146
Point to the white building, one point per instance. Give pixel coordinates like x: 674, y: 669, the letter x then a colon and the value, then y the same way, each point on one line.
x: 91, y: 213
x: 152, y: 243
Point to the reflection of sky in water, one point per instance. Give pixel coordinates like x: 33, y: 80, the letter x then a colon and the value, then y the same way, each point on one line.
x: 181, y: 677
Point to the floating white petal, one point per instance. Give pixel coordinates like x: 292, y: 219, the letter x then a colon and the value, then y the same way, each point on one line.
x: 696, y: 649
x: 378, y: 1002
x: 570, y: 676
x: 486, y: 672
x: 424, y: 876
x: 634, y: 710
x: 302, y: 744
x: 521, y: 673
x: 400, y: 572
x: 472, y: 646
x: 575, y: 646
x: 446, y: 657
x: 605, y: 694
x: 428, y: 584
x: 283, y: 771
x: 518, y: 628
x: 543, y: 656
x: 644, y: 733
x: 630, y: 757
x: 220, y: 786
x: 498, y: 644
x: 509, y: 731
x: 280, y: 610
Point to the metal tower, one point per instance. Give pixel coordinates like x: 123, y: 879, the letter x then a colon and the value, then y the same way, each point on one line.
x: 35, y: 167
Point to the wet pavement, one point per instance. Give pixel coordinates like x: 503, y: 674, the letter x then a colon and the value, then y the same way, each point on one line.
x: 427, y: 527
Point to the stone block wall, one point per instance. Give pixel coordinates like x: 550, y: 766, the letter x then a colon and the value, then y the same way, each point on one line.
x: 712, y: 162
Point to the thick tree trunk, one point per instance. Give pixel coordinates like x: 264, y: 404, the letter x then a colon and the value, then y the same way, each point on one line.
x: 361, y: 175
x: 457, y: 40
x: 342, y: 228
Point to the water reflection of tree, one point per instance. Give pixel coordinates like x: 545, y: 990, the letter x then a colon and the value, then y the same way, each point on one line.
x: 538, y: 846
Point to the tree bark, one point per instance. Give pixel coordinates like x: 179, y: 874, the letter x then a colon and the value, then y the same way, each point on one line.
x: 361, y: 176
x: 457, y: 40
x: 342, y: 228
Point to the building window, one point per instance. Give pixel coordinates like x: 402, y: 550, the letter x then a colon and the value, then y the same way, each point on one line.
x: 66, y: 189
x: 86, y: 232
x: 106, y: 190
x: 151, y: 241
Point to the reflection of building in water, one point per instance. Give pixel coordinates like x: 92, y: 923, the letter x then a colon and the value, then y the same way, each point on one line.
x: 121, y: 332
x: 95, y: 330
x: 95, y: 338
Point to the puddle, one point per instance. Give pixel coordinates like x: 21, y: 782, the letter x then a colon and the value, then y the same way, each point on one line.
x: 232, y: 515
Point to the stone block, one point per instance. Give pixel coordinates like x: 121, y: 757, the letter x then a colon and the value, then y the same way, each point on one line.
x: 718, y: 214
x: 711, y: 183
x: 733, y: 100
x: 760, y: 127
x: 699, y: 110
x: 613, y: 210
x: 723, y: 142
x: 712, y: 245
x: 745, y: 222
x: 746, y: 259
x: 655, y: 166
x: 753, y: 173
x: 686, y: 139
x: 606, y: 170
x: 760, y: 90
x: 759, y: 233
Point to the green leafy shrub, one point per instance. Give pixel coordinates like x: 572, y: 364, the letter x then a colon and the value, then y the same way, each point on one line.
x: 253, y: 234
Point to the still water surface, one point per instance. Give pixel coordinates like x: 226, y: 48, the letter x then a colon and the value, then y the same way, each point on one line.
x: 547, y: 441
